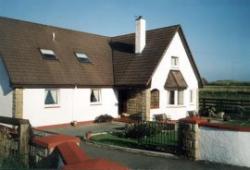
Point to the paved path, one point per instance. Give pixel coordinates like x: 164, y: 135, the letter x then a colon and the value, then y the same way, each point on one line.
x: 140, y: 161
x: 82, y: 129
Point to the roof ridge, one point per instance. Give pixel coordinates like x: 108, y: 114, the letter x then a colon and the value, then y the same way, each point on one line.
x: 154, y: 29
x: 51, y: 26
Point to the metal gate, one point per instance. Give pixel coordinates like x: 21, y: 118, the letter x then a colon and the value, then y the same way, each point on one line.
x: 159, y: 136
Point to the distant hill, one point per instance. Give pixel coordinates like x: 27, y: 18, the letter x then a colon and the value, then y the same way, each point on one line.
x: 229, y: 83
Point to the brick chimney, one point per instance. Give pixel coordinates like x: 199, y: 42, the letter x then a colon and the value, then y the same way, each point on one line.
x: 140, y: 35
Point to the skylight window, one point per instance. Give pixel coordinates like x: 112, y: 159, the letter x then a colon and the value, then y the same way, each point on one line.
x: 48, y: 54
x: 82, y: 57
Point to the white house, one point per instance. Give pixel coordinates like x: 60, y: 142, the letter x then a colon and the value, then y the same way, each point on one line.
x: 53, y: 76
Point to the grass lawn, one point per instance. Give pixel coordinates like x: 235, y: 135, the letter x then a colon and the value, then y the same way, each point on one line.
x: 115, y: 140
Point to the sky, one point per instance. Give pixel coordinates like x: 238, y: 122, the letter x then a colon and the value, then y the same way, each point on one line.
x: 217, y: 31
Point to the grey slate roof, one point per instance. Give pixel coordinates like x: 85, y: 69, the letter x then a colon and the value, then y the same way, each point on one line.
x: 113, y: 61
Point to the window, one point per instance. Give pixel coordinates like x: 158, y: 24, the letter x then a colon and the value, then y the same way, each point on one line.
x: 83, y: 58
x: 171, y: 97
x: 48, y: 54
x: 51, y: 97
x: 176, y: 97
x: 192, y: 95
x: 180, y: 97
x: 174, y: 61
x: 154, y: 99
x: 95, y: 96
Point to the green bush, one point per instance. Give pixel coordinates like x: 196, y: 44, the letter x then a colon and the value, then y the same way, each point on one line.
x: 140, y: 130
x: 103, y: 118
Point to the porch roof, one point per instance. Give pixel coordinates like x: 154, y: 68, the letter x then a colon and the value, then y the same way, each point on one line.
x: 175, y: 80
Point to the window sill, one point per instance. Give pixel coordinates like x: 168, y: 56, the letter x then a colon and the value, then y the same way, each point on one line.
x: 175, y: 67
x: 154, y: 107
x: 96, y: 103
x: 176, y: 106
x: 52, y: 106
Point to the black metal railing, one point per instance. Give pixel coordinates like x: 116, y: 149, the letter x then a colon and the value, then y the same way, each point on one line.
x: 162, y: 136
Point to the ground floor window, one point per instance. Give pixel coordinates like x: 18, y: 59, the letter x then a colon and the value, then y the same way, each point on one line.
x: 191, y: 96
x: 171, y: 97
x: 95, y: 96
x: 180, y: 97
x: 154, y: 101
x: 51, y: 97
x: 176, y: 97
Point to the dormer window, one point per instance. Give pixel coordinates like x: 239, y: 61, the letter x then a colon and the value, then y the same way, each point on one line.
x: 174, y: 61
x: 48, y: 54
x: 82, y: 57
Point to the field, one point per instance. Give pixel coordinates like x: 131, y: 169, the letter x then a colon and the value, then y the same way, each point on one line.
x: 225, y: 92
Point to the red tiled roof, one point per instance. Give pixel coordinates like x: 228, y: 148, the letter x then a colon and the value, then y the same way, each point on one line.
x: 95, y: 164
x: 54, y: 140
x: 71, y: 153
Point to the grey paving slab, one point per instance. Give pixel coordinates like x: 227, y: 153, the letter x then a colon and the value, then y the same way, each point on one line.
x: 81, y: 130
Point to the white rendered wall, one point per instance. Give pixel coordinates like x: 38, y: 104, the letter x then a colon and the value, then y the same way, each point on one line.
x: 224, y: 146
x: 74, y: 105
x: 159, y: 78
x: 5, y: 92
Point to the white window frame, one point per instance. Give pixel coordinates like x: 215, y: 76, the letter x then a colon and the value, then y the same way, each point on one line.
x: 176, y: 98
x: 100, y: 96
x: 191, y: 96
x: 48, y: 52
x: 57, y: 98
x: 175, y: 61
x: 169, y: 93
x: 81, y: 55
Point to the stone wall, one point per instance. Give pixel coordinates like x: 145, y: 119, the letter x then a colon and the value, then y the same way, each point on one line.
x: 18, y: 103
x: 139, y: 102
x: 189, y: 138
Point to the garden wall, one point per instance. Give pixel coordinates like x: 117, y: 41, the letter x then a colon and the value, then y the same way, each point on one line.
x: 225, y: 146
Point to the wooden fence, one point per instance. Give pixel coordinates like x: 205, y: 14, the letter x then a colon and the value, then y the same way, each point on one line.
x: 235, y: 108
x: 15, y: 137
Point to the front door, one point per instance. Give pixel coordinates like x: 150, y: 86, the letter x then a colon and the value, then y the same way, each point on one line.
x: 123, y: 97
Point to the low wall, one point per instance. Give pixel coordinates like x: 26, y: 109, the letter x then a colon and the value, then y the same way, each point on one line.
x: 215, y: 142
x: 225, y: 146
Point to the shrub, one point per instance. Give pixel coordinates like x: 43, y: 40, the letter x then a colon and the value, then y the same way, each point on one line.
x: 103, y: 118
x: 141, y: 130
x: 226, y: 117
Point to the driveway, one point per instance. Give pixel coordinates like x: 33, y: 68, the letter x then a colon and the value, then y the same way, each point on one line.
x: 81, y: 130
x: 133, y: 160
x: 140, y: 161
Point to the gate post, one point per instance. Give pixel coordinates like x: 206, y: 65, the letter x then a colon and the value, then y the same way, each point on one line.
x: 189, y: 139
x: 24, y: 132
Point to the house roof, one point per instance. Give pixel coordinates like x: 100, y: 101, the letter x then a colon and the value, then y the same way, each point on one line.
x: 19, y: 46
x: 113, y: 61
x: 175, y: 80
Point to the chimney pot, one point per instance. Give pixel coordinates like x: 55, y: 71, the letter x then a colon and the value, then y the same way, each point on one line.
x: 53, y: 36
x: 140, y: 35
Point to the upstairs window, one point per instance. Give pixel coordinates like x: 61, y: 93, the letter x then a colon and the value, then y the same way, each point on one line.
x: 95, y: 96
x: 48, y: 54
x: 82, y: 57
x: 51, y: 97
x: 174, y: 61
